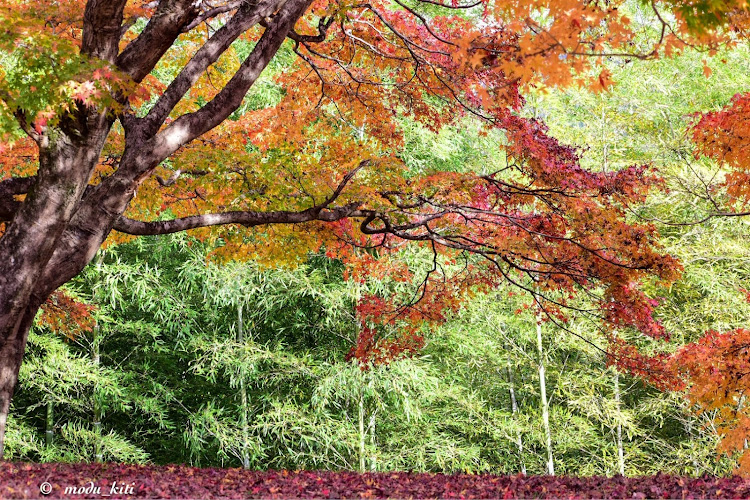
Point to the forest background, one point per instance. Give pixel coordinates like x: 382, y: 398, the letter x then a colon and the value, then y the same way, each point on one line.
x: 195, y: 360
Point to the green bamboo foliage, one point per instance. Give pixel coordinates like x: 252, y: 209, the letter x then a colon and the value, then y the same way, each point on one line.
x: 177, y: 354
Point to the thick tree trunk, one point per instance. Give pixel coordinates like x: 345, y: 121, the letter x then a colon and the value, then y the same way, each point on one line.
x: 31, y: 240
x: 11, y: 354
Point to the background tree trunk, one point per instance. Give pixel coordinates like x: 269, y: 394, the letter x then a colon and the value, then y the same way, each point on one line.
x: 620, y: 449
x: 95, y: 354
x: 361, y: 415
x: 543, y: 393
x: 371, y: 430
x: 243, y: 393
x: 49, y: 424
x: 514, y: 410
x: 98, y: 457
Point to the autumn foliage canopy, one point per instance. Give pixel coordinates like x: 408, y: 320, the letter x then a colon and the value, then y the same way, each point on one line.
x: 717, y: 365
x: 161, y: 105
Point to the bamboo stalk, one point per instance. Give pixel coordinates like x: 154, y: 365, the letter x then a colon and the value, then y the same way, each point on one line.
x: 371, y: 429
x: 514, y: 410
x: 98, y: 452
x: 96, y: 357
x: 50, y: 424
x: 361, y: 431
x: 373, y: 456
x: 543, y: 392
x: 620, y: 449
x: 243, y: 394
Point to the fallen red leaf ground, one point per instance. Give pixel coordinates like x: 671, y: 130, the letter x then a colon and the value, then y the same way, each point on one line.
x: 25, y: 480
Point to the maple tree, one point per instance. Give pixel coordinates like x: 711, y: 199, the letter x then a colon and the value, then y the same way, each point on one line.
x: 105, y: 100
x: 697, y: 217
x: 724, y: 136
x: 716, y: 366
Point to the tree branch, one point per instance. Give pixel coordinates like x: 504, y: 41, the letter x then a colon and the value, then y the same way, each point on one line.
x: 211, y: 13
x: 248, y: 219
x: 176, y: 175
x: 16, y: 185
x: 340, y: 188
x: 142, y: 54
x: 190, y: 126
x: 323, y: 25
x: 248, y: 15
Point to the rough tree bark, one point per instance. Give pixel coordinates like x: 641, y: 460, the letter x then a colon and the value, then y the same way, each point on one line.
x: 57, y: 229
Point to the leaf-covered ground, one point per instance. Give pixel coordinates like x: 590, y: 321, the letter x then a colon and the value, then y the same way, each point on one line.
x: 25, y: 480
